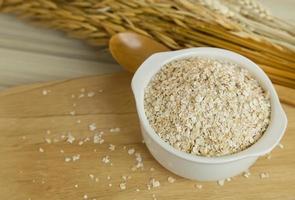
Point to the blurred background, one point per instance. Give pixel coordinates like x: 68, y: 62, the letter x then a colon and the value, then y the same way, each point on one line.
x: 32, y: 54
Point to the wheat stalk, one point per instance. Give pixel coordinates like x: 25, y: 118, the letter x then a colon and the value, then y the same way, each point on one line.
x: 249, y: 30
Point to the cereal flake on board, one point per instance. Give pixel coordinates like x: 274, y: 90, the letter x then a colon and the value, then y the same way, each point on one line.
x: 92, y: 127
x: 91, y: 94
x: 264, y: 175
x: 155, y: 183
x: 199, y: 186
x: 106, y: 159
x: 115, y: 130
x: 220, y: 182
x: 76, y: 157
x: 68, y: 159
x: 97, y: 138
x: 131, y: 151
x: 280, y: 145
x: 48, y: 140
x: 112, y: 147
x: 171, y: 179
x: 70, y: 138
x: 247, y: 174
x: 45, y: 92
x: 122, y: 186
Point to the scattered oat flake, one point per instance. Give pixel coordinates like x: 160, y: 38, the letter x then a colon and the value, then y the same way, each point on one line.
x: 73, y: 113
x: 246, y: 174
x: 85, y: 196
x: 228, y: 179
x: 137, y: 190
x: 62, y: 151
x: 78, y: 121
x: 81, y: 143
x: 131, y: 151
x: 91, y: 176
x: 81, y: 96
x: 106, y: 159
x: 280, y: 145
x: 91, y: 94
x: 112, y: 147
x: 92, y: 127
x: 109, y: 177
x: 124, y: 177
x: 70, y: 138
x: 113, y: 130
x: 220, y: 182
x: 97, y: 139
x: 138, y: 157
x: 171, y: 179
x: 76, y: 157
x: 152, y: 169
x: 45, y: 92
x: 154, y: 183
x: 110, y: 185
x: 68, y: 159
x: 48, y: 132
x: 122, y: 186
x: 76, y: 186
x: 264, y: 175
x: 48, y: 140
x: 41, y: 150
x: 96, y: 179
x: 198, y: 186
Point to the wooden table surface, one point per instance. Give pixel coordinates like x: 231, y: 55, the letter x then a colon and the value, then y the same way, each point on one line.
x: 31, y: 168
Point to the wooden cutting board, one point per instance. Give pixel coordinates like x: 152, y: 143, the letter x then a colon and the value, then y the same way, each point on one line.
x: 28, y: 117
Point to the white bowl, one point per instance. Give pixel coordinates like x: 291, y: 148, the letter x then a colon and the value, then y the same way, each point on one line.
x: 198, y: 167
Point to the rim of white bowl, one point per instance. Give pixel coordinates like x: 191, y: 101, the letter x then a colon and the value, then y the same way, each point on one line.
x: 265, y: 144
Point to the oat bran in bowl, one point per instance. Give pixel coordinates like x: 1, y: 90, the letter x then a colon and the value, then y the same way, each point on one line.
x: 206, y: 113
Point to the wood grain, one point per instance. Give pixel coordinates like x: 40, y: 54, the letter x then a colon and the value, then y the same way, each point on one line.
x: 27, y: 173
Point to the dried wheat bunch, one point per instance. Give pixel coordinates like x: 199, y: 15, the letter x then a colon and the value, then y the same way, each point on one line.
x: 241, y: 26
